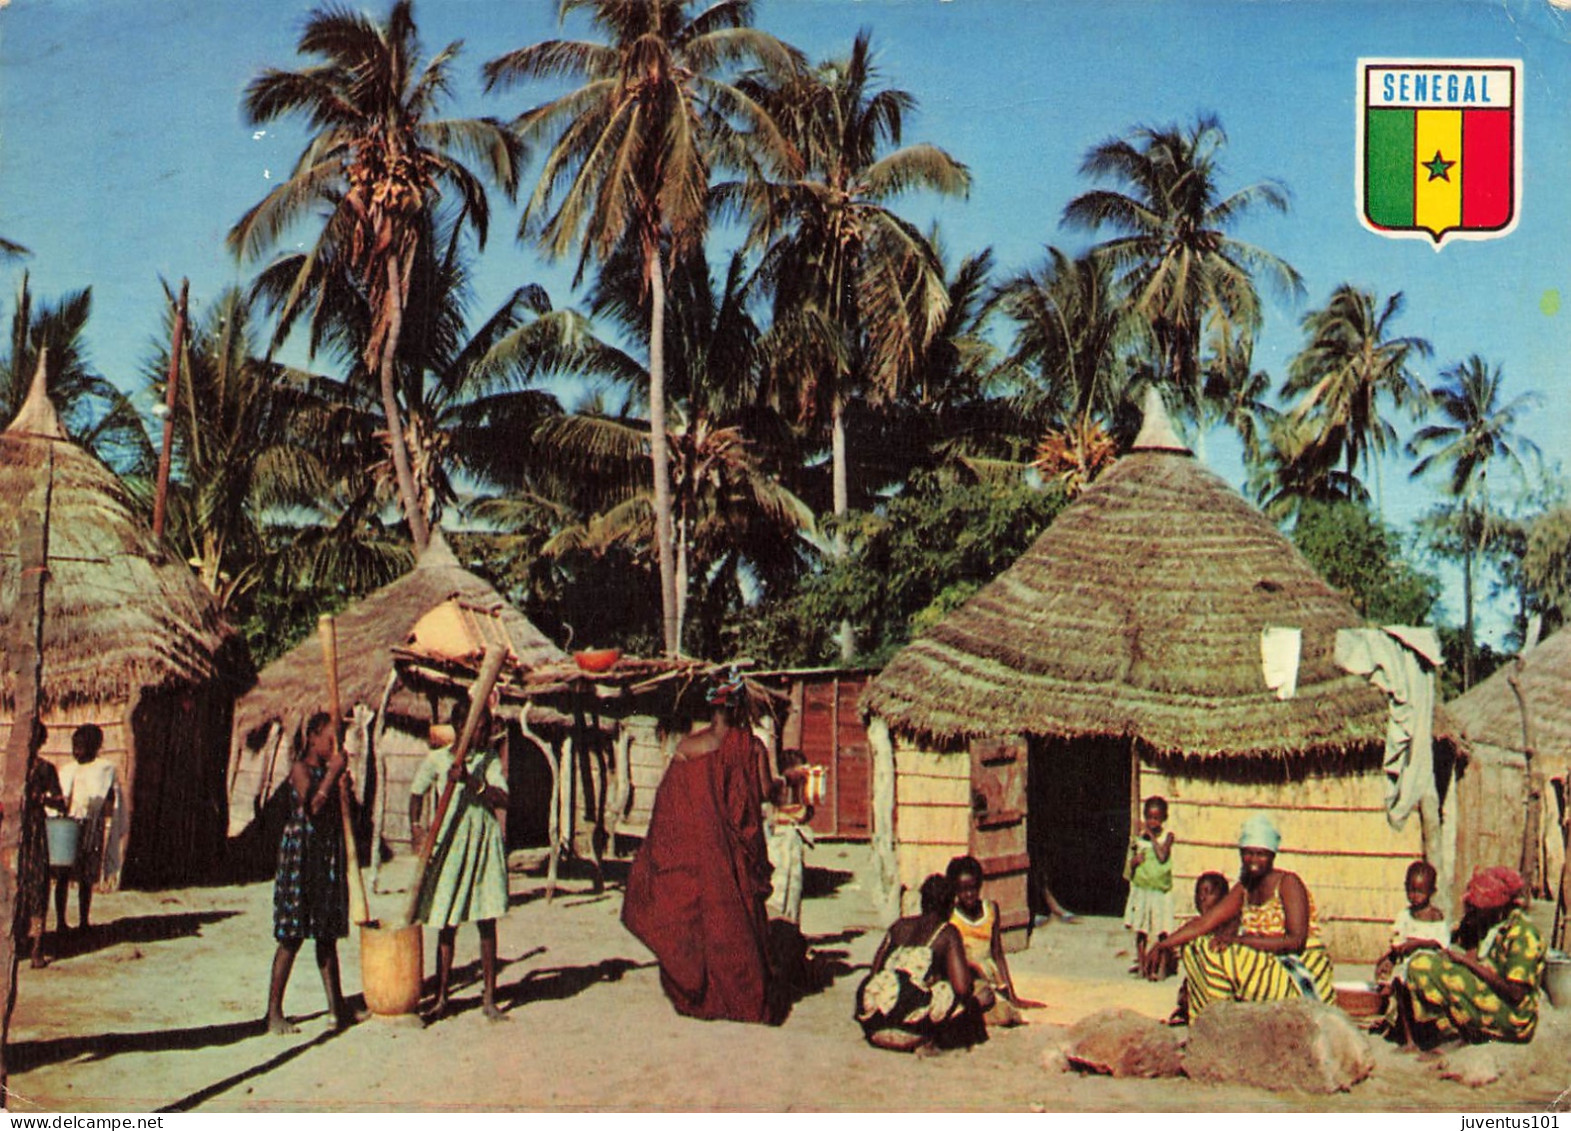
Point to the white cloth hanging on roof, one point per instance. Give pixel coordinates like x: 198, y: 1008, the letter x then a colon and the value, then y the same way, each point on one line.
x: 1401, y: 662
x: 1279, y: 653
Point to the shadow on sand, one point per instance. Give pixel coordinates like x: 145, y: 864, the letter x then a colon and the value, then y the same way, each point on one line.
x: 131, y: 930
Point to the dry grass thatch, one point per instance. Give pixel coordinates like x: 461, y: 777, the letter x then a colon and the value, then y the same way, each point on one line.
x: 1489, y: 713
x: 118, y: 615
x: 367, y: 631
x: 1138, y: 614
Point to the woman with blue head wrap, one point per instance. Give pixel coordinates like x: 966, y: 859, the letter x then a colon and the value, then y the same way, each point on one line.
x: 1276, y: 953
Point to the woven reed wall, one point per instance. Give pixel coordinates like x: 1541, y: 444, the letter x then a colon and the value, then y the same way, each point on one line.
x: 932, y: 815
x: 1334, y: 835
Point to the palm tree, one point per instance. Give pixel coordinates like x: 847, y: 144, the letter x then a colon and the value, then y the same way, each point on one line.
x: 631, y: 152
x: 251, y: 439
x: 732, y: 515
x: 1175, y: 260
x: 1292, y: 470
x: 95, y: 413
x: 858, y: 291
x: 1068, y: 332
x: 1480, y: 429
x: 1348, y: 367
x: 378, y: 162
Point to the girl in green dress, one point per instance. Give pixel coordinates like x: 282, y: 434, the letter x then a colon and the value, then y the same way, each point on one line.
x: 465, y: 880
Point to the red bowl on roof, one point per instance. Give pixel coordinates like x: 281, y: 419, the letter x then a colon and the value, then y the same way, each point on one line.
x: 597, y: 659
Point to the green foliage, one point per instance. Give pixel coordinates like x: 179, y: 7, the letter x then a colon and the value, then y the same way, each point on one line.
x: 922, y: 555
x: 1362, y: 557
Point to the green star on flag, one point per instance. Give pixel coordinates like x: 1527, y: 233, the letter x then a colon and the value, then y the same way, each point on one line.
x: 1439, y: 168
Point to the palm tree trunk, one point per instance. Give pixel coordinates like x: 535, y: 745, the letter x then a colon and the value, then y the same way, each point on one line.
x: 1467, y: 598
x: 385, y: 364
x: 659, y: 451
x: 842, y: 505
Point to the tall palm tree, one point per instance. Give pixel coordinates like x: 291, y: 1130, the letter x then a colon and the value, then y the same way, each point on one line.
x: 1480, y: 429
x: 630, y: 156
x: 1175, y: 258
x: 378, y: 163
x: 93, y: 411
x: 732, y: 514
x: 1350, y: 364
x: 858, y: 291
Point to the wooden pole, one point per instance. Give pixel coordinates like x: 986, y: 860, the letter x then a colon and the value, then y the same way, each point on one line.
x: 490, y: 669
x: 165, y: 453
x: 1563, y: 897
x: 26, y: 651
x: 1532, y: 818
x: 359, y: 909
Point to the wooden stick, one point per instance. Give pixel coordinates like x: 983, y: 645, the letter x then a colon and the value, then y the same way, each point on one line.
x: 490, y: 668
x: 359, y: 908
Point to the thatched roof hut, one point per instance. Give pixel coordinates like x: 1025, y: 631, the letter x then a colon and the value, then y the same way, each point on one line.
x: 294, y: 685
x: 1500, y: 822
x: 131, y: 642
x: 1121, y: 657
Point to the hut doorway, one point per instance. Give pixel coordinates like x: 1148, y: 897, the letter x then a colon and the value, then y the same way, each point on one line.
x: 528, y: 791
x: 1077, y: 826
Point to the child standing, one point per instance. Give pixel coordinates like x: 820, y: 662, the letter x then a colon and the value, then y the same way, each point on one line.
x: 1419, y: 925
x: 310, y: 891
x: 1149, y: 911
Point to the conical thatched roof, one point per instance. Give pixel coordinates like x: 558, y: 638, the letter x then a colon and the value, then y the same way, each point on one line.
x: 118, y: 615
x: 368, y: 630
x: 1489, y: 713
x: 1138, y: 614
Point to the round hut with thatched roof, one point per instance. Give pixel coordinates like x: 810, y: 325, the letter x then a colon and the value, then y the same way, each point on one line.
x: 1121, y: 657
x: 131, y: 642
x: 1512, y: 796
x: 269, y: 717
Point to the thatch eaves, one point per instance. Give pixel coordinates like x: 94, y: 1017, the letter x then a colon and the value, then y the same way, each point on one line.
x: 1137, y: 615
x: 367, y: 632
x: 119, y: 614
x: 1489, y: 713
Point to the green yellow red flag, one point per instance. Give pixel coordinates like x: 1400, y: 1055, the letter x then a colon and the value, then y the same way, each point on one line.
x: 1440, y: 148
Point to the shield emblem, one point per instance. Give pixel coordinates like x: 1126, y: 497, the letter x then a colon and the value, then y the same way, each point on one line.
x: 1439, y: 148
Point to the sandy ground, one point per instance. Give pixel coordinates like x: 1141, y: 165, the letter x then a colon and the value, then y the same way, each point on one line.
x: 159, y: 1009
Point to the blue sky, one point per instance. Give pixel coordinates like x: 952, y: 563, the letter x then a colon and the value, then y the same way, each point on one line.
x: 123, y: 155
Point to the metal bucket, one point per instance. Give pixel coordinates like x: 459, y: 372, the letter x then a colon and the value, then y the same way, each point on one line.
x: 391, y: 968
x: 65, y: 836
x: 1557, y: 978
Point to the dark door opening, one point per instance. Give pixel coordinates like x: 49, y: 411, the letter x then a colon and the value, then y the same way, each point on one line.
x: 528, y: 791
x: 1078, y: 822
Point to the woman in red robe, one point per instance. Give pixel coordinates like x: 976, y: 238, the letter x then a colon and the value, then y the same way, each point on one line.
x: 696, y: 891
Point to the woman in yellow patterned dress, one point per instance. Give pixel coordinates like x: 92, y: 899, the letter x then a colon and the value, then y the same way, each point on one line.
x: 1277, y: 953
x: 1487, y: 992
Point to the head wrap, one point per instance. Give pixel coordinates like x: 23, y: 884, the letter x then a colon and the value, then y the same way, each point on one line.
x: 725, y: 687
x: 1259, y: 832
x: 1493, y: 888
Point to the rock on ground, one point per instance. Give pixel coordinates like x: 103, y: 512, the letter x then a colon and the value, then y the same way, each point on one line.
x: 1284, y: 1046
x: 1473, y: 1065
x: 1121, y: 1042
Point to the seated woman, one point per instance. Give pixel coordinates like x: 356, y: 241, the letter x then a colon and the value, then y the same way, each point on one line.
x: 1277, y: 953
x: 1485, y: 989
x: 918, y: 995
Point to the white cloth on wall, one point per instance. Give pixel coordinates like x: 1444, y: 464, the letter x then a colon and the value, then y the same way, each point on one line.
x: 1280, y: 649
x: 1401, y: 663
